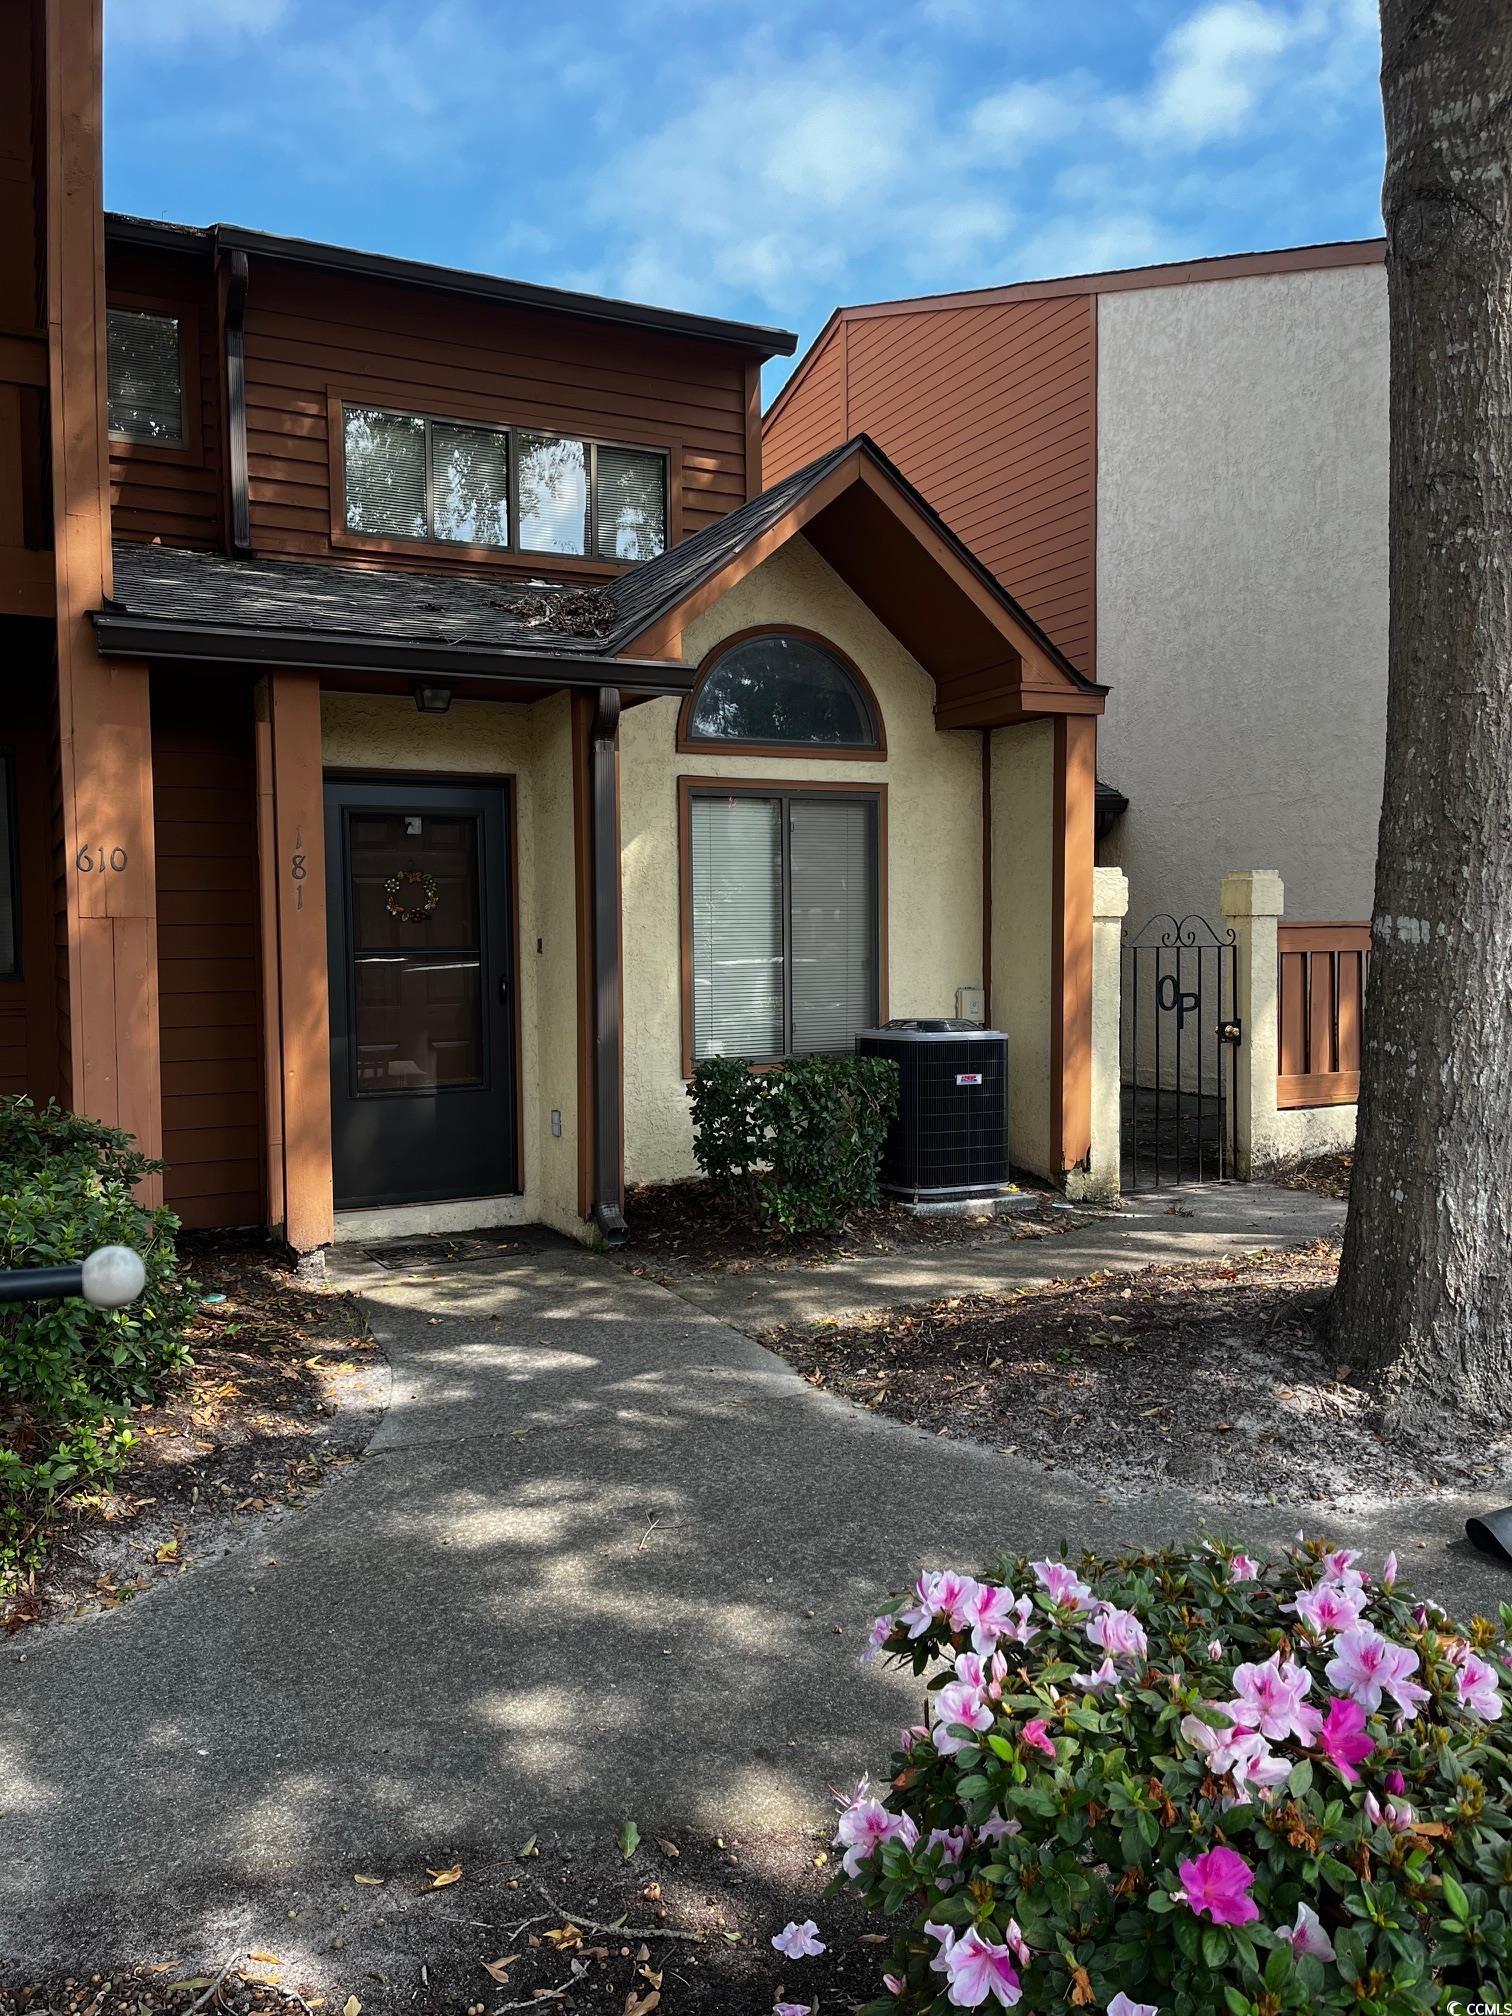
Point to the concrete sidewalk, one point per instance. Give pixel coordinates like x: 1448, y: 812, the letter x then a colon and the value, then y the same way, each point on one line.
x: 606, y: 1556
x: 1153, y: 1228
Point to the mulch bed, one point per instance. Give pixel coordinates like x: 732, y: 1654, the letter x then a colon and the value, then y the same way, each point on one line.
x: 572, y: 1916
x: 681, y: 1229
x: 1324, y: 1176
x: 283, y: 1390
x: 1217, y: 1377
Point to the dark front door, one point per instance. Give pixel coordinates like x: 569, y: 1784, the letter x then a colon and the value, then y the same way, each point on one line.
x: 422, y: 1010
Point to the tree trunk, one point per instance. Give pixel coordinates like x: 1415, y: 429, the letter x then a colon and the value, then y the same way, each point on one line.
x: 1424, y: 1302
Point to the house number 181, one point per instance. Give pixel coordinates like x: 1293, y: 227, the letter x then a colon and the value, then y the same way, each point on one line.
x: 95, y: 861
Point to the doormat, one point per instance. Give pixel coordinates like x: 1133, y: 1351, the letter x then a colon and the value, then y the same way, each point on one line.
x: 448, y: 1249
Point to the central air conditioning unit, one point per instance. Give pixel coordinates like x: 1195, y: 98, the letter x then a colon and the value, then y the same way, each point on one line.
x: 950, y: 1137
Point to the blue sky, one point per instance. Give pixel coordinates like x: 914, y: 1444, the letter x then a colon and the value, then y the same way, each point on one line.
x: 758, y: 158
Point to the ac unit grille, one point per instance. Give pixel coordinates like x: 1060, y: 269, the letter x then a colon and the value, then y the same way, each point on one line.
x: 950, y: 1137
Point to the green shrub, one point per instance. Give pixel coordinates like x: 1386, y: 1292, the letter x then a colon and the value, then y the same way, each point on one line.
x: 798, y: 1146
x: 1192, y: 1782
x: 70, y: 1373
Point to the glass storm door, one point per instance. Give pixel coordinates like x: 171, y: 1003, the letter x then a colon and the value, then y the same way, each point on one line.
x: 422, y: 997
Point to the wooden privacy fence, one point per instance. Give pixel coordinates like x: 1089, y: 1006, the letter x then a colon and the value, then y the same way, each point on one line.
x: 1321, y: 975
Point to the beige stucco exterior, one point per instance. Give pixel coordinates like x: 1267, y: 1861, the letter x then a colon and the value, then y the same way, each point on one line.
x: 934, y: 839
x: 1242, y: 584
x: 529, y: 746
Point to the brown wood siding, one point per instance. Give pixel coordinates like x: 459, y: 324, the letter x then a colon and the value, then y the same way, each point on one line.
x: 991, y: 411
x: 813, y: 416
x: 1322, y: 974
x: 309, y: 337
x: 209, y: 950
x: 172, y: 494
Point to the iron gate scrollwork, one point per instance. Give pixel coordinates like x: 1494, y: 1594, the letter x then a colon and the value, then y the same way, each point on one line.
x: 1178, y: 1052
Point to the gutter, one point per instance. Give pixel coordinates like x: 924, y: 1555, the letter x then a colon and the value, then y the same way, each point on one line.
x: 119, y: 634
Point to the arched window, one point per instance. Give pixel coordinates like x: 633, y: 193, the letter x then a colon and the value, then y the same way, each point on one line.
x: 781, y: 690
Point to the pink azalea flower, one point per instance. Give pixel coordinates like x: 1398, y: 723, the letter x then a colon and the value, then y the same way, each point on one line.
x: 1395, y: 1815
x: 996, y: 1828
x: 1395, y: 1782
x: 1062, y: 1584
x: 1216, y: 1885
x: 1269, y: 1698
x: 979, y: 1968
x: 799, y: 1942
x: 1329, y: 1608
x: 1119, y: 1633
x: 894, y: 1983
x: 936, y: 1596
x: 1215, y: 1648
x: 1478, y: 1688
x: 988, y: 1614
x: 1036, y: 1736
x: 958, y: 1703
x: 1237, y: 1752
x: 1244, y: 1568
x: 864, y: 1826
x: 1342, y: 1738
x: 947, y: 1938
x: 1339, y: 1567
x: 792, y: 2009
x: 1389, y: 1571
x: 1365, y: 1664
x: 876, y: 1638
x: 1307, y: 1935
x: 1102, y: 1681
x: 1122, y: 2006
x: 1014, y: 1938
x: 954, y: 1841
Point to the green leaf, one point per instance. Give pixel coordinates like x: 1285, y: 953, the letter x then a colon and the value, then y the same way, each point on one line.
x: 1214, y: 1948
x: 1455, y: 1898
x: 1300, y: 1781
x: 629, y: 1839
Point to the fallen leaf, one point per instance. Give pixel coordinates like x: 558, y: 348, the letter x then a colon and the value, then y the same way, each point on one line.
x: 629, y: 1839
x: 642, y: 2005
x: 524, y: 1854
x: 190, y: 1982
x: 441, y: 1877
x: 351, y: 2007
x: 499, y: 1969
x: 376, y: 1881
x: 563, y: 1936
x: 669, y: 1848
x: 267, y: 1959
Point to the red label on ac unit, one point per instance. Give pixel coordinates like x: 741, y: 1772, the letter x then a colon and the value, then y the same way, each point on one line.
x: 968, y: 1077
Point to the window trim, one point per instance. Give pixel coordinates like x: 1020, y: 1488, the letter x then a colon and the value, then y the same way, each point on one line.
x: 538, y: 558
x: 689, y: 744
x: 689, y: 788
x: 190, y: 454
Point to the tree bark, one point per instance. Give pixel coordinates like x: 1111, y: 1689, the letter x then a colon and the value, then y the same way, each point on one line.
x: 1424, y: 1302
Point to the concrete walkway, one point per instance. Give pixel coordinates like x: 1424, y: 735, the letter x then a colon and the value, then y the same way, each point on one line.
x: 606, y: 1557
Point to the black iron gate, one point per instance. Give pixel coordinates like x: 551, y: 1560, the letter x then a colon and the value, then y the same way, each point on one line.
x: 1178, y: 1052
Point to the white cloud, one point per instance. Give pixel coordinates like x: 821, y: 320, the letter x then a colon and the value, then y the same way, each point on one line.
x: 1213, y: 70
x: 159, y: 24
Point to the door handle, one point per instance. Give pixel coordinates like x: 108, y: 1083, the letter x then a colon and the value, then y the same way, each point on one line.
x: 503, y: 990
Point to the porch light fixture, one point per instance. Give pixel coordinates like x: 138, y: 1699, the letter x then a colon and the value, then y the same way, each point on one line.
x: 431, y: 699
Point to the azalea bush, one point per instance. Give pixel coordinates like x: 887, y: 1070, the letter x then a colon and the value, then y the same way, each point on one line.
x: 797, y: 1147
x: 1190, y: 1782
x: 70, y: 1373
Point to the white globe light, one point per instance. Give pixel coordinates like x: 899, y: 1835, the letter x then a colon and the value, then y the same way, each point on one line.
x: 113, y: 1276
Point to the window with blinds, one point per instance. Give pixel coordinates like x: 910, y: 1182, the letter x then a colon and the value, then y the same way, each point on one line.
x: 408, y: 476
x: 784, y: 923
x: 145, y: 388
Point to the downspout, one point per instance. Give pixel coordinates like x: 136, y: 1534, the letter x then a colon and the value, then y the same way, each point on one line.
x: 236, y: 404
x: 608, y: 1062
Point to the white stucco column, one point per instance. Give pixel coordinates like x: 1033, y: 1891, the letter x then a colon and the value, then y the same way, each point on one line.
x: 1098, y: 1183
x: 1253, y: 902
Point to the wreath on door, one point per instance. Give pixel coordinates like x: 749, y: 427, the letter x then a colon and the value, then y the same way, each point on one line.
x: 401, y: 903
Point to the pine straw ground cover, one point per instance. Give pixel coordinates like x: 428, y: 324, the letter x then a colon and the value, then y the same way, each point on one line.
x: 282, y: 1389
x: 680, y: 1927
x: 681, y: 1229
x: 1215, y: 1376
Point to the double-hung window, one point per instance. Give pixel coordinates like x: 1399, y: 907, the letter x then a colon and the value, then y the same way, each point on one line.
x: 513, y: 489
x: 144, y: 376
x: 784, y: 925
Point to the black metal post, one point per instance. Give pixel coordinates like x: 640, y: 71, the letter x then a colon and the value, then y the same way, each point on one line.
x: 40, y: 1284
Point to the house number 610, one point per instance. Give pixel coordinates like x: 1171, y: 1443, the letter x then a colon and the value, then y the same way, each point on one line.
x: 95, y: 861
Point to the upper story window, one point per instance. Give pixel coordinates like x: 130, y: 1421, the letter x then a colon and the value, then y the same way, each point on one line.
x: 511, y: 489
x: 781, y: 689
x: 145, y: 377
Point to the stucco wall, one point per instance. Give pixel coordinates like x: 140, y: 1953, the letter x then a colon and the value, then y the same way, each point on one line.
x: 1242, y: 587
x: 934, y: 836
x: 1023, y: 807
x: 530, y: 746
